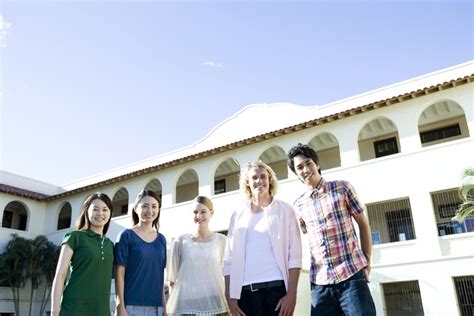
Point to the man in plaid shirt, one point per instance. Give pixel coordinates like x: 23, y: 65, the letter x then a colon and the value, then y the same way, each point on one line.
x: 340, y: 265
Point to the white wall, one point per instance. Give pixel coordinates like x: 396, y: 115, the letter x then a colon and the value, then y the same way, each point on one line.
x: 415, y: 172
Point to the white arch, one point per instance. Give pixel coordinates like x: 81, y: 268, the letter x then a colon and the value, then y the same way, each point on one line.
x: 15, y: 220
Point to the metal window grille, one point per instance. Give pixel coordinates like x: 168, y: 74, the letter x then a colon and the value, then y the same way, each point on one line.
x: 445, y: 204
x: 402, y: 299
x: 386, y: 147
x: 440, y: 133
x: 391, y: 221
x: 465, y: 294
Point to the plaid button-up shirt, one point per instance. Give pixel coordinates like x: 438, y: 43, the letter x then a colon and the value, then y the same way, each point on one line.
x: 326, y: 214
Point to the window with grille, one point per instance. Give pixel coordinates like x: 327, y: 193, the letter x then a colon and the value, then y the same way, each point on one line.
x: 445, y: 205
x: 465, y: 294
x: 402, y: 298
x: 385, y: 147
x: 440, y: 133
x: 391, y: 221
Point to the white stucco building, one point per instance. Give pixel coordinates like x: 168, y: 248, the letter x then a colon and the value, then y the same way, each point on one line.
x: 403, y: 147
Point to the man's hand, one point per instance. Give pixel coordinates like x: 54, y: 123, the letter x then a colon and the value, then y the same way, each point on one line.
x: 286, y: 305
x: 367, y: 272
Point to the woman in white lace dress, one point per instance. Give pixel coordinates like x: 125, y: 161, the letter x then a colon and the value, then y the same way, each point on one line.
x: 195, y: 270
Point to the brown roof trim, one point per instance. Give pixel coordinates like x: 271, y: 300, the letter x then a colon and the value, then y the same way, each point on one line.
x: 8, y: 189
x: 287, y: 130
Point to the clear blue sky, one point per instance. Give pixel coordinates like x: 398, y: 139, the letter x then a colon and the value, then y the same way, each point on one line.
x: 87, y: 86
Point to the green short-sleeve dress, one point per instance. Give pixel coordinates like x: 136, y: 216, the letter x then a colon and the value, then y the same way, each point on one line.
x: 87, y: 291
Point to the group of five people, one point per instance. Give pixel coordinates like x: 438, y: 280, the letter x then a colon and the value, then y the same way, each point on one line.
x: 253, y: 271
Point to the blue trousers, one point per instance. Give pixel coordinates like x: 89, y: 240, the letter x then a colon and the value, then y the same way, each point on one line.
x: 350, y: 298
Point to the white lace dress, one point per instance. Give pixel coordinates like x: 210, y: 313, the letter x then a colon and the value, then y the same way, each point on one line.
x: 196, y: 270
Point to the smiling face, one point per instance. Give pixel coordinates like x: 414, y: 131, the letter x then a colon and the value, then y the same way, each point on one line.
x: 258, y: 181
x: 202, y: 214
x: 98, y: 213
x: 147, y: 209
x: 307, y: 170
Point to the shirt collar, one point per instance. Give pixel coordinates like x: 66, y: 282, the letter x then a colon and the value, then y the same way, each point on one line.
x: 91, y: 233
x: 318, y: 189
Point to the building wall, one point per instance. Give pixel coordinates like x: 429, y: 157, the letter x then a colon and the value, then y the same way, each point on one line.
x: 415, y: 172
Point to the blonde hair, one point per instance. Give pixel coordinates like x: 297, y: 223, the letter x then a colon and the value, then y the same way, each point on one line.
x: 244, y: 178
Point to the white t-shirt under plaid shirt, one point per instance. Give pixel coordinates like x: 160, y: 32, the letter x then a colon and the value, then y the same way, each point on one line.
x: 326, y: 214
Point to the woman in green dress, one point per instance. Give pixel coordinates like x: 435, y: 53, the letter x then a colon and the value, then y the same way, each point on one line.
x: 88, y: 254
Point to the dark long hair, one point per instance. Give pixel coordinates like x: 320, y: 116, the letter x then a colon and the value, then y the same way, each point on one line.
x: 83, y: 222
x: 140, y: 196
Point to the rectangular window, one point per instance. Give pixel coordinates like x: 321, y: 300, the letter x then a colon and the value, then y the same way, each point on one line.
x: 219, y: 186
x: 386, y: 147
x: 440, y: 133
x: 402, y: 298
x: 4, y: 283
x: 391, y: 221
x: 23, y: 219
x: 7, y: 219
x: 124, y: 209
x: 465, y: 294
x: 400, y: 226
x: 445, y: 205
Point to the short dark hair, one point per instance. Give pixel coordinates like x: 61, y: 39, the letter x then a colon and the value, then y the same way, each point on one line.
x: 140, y: 196
x: 83, y: 222
x: 305, y: 150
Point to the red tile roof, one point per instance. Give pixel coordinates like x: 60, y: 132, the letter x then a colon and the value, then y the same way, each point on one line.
x: 255, y: 139
x: 4, y: 188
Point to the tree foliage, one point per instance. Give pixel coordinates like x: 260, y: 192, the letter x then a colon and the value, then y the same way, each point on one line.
x: 28, y: 260
x: 466, y: 192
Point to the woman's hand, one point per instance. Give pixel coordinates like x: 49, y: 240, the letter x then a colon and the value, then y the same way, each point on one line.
x: 234, y: 307
x: 120, y: 310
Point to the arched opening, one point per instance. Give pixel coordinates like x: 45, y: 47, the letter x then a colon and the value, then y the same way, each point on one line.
x: 275, y: 157
x: 442, y: 122
x: 187, y: 187
x: 120, y: 203
x: 155, y: 186
x: 15, y: 216
x: 327, y: 147
x: 378, y: 138
x: 226, y: 177
x: 64, y: 218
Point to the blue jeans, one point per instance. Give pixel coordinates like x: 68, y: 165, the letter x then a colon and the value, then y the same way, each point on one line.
x: 136, y: 310
x: 350, y: 298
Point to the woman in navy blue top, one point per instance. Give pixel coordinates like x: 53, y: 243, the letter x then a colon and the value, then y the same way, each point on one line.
x: 140, y: 260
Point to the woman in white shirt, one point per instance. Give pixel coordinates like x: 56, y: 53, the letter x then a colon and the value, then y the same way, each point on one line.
x: 262, y: 259
x: 196, y: 267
